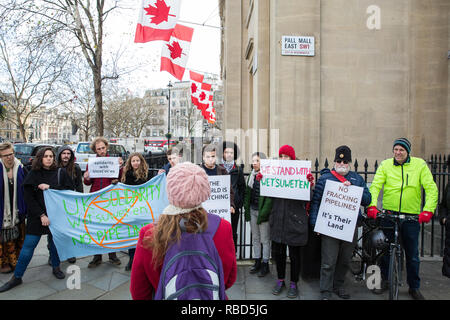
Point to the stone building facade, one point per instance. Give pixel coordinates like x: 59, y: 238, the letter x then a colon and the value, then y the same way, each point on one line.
x: 380, y: 71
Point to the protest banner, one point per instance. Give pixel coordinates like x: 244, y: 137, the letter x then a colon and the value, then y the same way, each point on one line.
x: 285, y: 179
x: 108, y: 220
x: 219, y: 201
x: 338, y: 211
x: 103, y: 167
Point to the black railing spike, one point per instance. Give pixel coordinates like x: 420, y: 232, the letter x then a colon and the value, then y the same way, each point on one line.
x: 326, y: 162
x: 376, y: 165
x: 356, y: 165
x: 316, y: 164
x: 366, y: 165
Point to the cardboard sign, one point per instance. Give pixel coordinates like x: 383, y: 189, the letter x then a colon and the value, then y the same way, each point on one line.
x: 219, y: 201
x: 339, y: 210
x: 285, y: 179
x: 103, y: 167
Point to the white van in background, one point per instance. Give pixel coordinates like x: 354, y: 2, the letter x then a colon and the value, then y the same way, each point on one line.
x: 83, y: 152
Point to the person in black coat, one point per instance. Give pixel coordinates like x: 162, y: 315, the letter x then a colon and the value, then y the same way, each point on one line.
x: 134, y: 173
x: 444, y: 212
x: 43, y: 175
x: 288, y: 229
x: 230, y: 154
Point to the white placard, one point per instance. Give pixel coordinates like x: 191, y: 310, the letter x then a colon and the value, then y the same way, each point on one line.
x: 103, y: 167
x: 285, y: 179
x: 297, y: 46
x: 338, y: 210
x: 219, y: 201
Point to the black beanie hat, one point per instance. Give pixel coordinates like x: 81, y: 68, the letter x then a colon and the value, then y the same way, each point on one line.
x: 343, y: 153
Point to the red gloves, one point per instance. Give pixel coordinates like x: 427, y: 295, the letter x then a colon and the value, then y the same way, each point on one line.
x: 310, y: 178
x: 425, y: 216
x: 372, y: 212
x: 259, y: 176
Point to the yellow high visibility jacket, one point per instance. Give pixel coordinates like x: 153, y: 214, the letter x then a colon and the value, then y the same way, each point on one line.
x: 403, y: 186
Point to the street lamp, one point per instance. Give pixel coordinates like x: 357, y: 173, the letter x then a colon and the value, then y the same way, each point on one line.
x: 31, y: 132
x: 168, y: 127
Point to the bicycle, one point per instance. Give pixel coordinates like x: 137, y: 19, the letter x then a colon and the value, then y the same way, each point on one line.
x: 395, y: 250
x: 364, y: 254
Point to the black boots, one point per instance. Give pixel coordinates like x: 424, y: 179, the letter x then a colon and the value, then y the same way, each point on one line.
x: 264, y: 269
x: 14, y: 282
x: 255, y: 268
x: 58, y: 273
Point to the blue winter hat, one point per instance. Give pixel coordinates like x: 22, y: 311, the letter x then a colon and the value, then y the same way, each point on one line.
x: 404, y: 143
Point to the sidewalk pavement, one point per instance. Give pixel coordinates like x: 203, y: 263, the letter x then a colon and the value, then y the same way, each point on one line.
x: 109, y: 282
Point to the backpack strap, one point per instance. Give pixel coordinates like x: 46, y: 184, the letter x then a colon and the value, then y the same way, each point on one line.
x: 213, y: 224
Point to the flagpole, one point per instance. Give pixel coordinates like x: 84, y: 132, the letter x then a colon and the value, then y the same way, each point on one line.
x: 201, y: 24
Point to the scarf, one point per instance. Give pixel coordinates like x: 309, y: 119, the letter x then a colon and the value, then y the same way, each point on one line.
x: 228, y: 165
x: 251, y: 178
x: 10, y: 229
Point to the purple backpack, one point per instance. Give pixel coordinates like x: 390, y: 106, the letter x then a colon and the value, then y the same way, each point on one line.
x: 192, y: 268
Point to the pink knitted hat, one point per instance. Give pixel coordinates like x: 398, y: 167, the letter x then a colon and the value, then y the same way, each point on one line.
x: 187, y: 187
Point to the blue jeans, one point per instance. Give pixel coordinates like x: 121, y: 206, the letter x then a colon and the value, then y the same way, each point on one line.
x: 30, y: 243
x: 409, y: 234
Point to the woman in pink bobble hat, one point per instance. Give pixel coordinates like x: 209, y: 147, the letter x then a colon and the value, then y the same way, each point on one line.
x: 187, y: 188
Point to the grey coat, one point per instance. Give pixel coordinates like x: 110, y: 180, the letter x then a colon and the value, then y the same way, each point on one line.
x: 289, y: 222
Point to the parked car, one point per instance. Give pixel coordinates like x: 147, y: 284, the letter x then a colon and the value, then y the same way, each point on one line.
x: 26, y: 152
x: 83, y: 152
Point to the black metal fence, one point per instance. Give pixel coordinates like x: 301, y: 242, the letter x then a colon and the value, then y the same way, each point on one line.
x: 432, y: 234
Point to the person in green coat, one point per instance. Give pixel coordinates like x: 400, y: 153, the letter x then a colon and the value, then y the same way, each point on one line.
x: 257, y: 210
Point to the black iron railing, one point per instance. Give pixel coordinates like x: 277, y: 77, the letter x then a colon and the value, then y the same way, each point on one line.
x: 432, y: 234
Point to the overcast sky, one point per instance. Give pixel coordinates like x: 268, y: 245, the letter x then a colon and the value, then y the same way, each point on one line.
x: 204, y: 53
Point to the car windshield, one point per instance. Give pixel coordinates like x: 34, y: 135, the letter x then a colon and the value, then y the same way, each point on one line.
x: 23, y: 149
x: 84, y: 148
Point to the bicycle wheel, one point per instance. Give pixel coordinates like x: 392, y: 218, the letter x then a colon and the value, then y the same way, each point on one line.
x: 394, y: 275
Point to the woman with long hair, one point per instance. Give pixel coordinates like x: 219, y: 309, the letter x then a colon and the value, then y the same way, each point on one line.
x: 134, y: 173
x: 183, y: 223
x: 44, y: 175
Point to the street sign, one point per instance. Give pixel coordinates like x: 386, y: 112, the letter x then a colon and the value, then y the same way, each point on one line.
x: 297, y: 46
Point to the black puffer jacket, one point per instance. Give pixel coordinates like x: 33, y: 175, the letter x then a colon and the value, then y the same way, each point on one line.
x: 444, y: 213
x: 289, y: 222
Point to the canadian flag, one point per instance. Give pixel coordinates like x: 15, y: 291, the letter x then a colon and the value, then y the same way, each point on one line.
x: 157, y: 20
x: 175, y: 53
x: 199, y: 90
x: 209, y: 113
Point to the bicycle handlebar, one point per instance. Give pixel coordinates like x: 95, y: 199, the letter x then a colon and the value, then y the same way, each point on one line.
x: 391, y: 216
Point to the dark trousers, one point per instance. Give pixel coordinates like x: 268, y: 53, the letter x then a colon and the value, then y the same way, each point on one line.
x: 409, y: 233
x: 336, y: 256
x: 279, y: 255
x: 234, y: 225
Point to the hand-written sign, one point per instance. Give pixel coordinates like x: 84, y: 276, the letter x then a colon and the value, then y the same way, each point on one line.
x: 103, y: 167
x: 338, y: 211
x: 219, y: 200
x: 285, y: 179
x: 108, y: 220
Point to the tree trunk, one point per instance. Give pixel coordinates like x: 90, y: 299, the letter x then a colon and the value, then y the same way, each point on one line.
x: 98, y: 102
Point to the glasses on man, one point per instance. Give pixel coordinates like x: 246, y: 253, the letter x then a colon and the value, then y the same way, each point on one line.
x: 342, y: 161
x: 7, y: 155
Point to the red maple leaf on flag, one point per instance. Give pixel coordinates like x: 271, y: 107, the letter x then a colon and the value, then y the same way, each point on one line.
x: 160, y: 12
x: 202, y: 96
x: 194, y: 88
x: 175, y: 50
